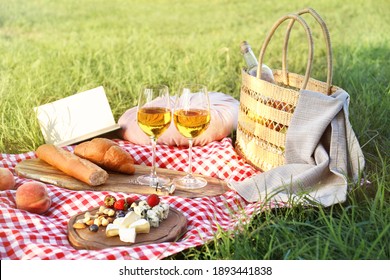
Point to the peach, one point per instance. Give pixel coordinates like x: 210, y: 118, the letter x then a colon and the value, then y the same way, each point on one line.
x: 7, y: 180
x: 33, y: 197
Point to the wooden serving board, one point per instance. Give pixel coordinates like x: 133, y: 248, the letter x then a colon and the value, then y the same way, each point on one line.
x: 39, y: 170
x: 170, y: 229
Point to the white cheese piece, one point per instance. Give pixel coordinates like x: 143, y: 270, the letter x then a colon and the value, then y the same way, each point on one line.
x: 130, y: 218
x: 141, y: 226
x: 127, y: 234
x: 118, y: 221
x: 112, y: 230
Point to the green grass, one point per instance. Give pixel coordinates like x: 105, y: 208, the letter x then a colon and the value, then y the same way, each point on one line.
x: 52, y: 49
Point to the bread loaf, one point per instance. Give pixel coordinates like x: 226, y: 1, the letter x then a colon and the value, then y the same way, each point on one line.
x: 107, y: 154
x: 72, y: 165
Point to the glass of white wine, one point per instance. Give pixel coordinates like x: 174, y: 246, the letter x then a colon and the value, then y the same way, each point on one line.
x: 191, y: 116
x: 154, y: 117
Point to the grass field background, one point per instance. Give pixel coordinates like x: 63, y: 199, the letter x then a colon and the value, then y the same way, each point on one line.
x: 52, y: 49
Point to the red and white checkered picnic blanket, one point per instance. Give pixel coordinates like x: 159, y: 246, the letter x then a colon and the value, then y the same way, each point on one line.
x: 25, y: 235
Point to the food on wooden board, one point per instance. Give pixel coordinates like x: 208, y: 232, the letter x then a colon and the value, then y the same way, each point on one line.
x: 139, y: 217
x: 141, y: 226
x: 153, y: 200
x: 109, y: 201
x: 72, y: 165
x: 93, y: 228
x: 33, y: 197
x: 107, y: 154
x: 121, y: 204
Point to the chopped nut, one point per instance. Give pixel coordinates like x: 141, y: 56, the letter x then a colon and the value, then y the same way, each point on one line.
x: 97, y: 222
x: 88, y: 216
x: 104, y: 222
x: 111, y: 212
x: 79, y: 225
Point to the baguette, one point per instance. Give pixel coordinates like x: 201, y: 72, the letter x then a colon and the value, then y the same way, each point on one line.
x: 72, y: 165
x: 107, y: 154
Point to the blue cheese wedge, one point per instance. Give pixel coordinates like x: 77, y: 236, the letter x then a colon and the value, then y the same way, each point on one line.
x: 165, y: 210
x: 154, y: 221
x: 141, y: 210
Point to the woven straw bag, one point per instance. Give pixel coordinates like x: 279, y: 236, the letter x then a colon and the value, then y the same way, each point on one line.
x: 266, y: 108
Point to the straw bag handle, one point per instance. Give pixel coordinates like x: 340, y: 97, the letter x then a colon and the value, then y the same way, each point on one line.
x: 325, y: 32
x: 293, y: 17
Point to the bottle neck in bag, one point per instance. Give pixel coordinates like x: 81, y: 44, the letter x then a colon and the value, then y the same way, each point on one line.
x: 252, y: 64
x: 250, y: 58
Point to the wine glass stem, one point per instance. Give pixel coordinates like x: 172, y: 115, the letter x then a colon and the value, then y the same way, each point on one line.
x: 153, y: 173
x: 189, y: 172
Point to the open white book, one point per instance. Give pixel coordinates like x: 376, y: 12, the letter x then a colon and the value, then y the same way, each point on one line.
x: 76, y: 118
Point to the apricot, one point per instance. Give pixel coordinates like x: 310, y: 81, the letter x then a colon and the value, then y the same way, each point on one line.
x: 33, y: 197
x: 7, y: 180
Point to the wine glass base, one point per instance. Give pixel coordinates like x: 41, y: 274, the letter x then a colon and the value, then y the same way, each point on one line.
x: 189, y: 183
x: 152, y: 181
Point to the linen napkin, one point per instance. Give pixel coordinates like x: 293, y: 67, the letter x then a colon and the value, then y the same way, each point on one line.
x: 322, y: 155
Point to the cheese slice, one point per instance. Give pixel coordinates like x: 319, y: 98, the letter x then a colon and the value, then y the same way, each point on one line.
x: 130, y: 218
x: 112, y: 230
x: 127, y: 234
x: 141, y: 226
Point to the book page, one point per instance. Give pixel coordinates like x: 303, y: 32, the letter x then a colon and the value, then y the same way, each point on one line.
x: 76, y: 118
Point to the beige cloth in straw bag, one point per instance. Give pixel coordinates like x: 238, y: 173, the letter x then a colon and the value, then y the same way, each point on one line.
x: 322, y: 153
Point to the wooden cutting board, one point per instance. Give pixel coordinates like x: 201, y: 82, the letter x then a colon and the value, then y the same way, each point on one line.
x: 39, y: 170
x: 169, y: 230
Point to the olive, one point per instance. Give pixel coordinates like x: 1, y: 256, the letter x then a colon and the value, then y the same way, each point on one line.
x: 94, y: 228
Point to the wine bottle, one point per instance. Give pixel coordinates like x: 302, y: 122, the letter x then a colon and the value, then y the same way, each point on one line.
x: 252, y: 63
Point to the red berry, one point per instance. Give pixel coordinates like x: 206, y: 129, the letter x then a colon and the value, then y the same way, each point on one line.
x: 130, y: 200
x: 121, y: 204
x: 109, y: 201
x: 153, y: 200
